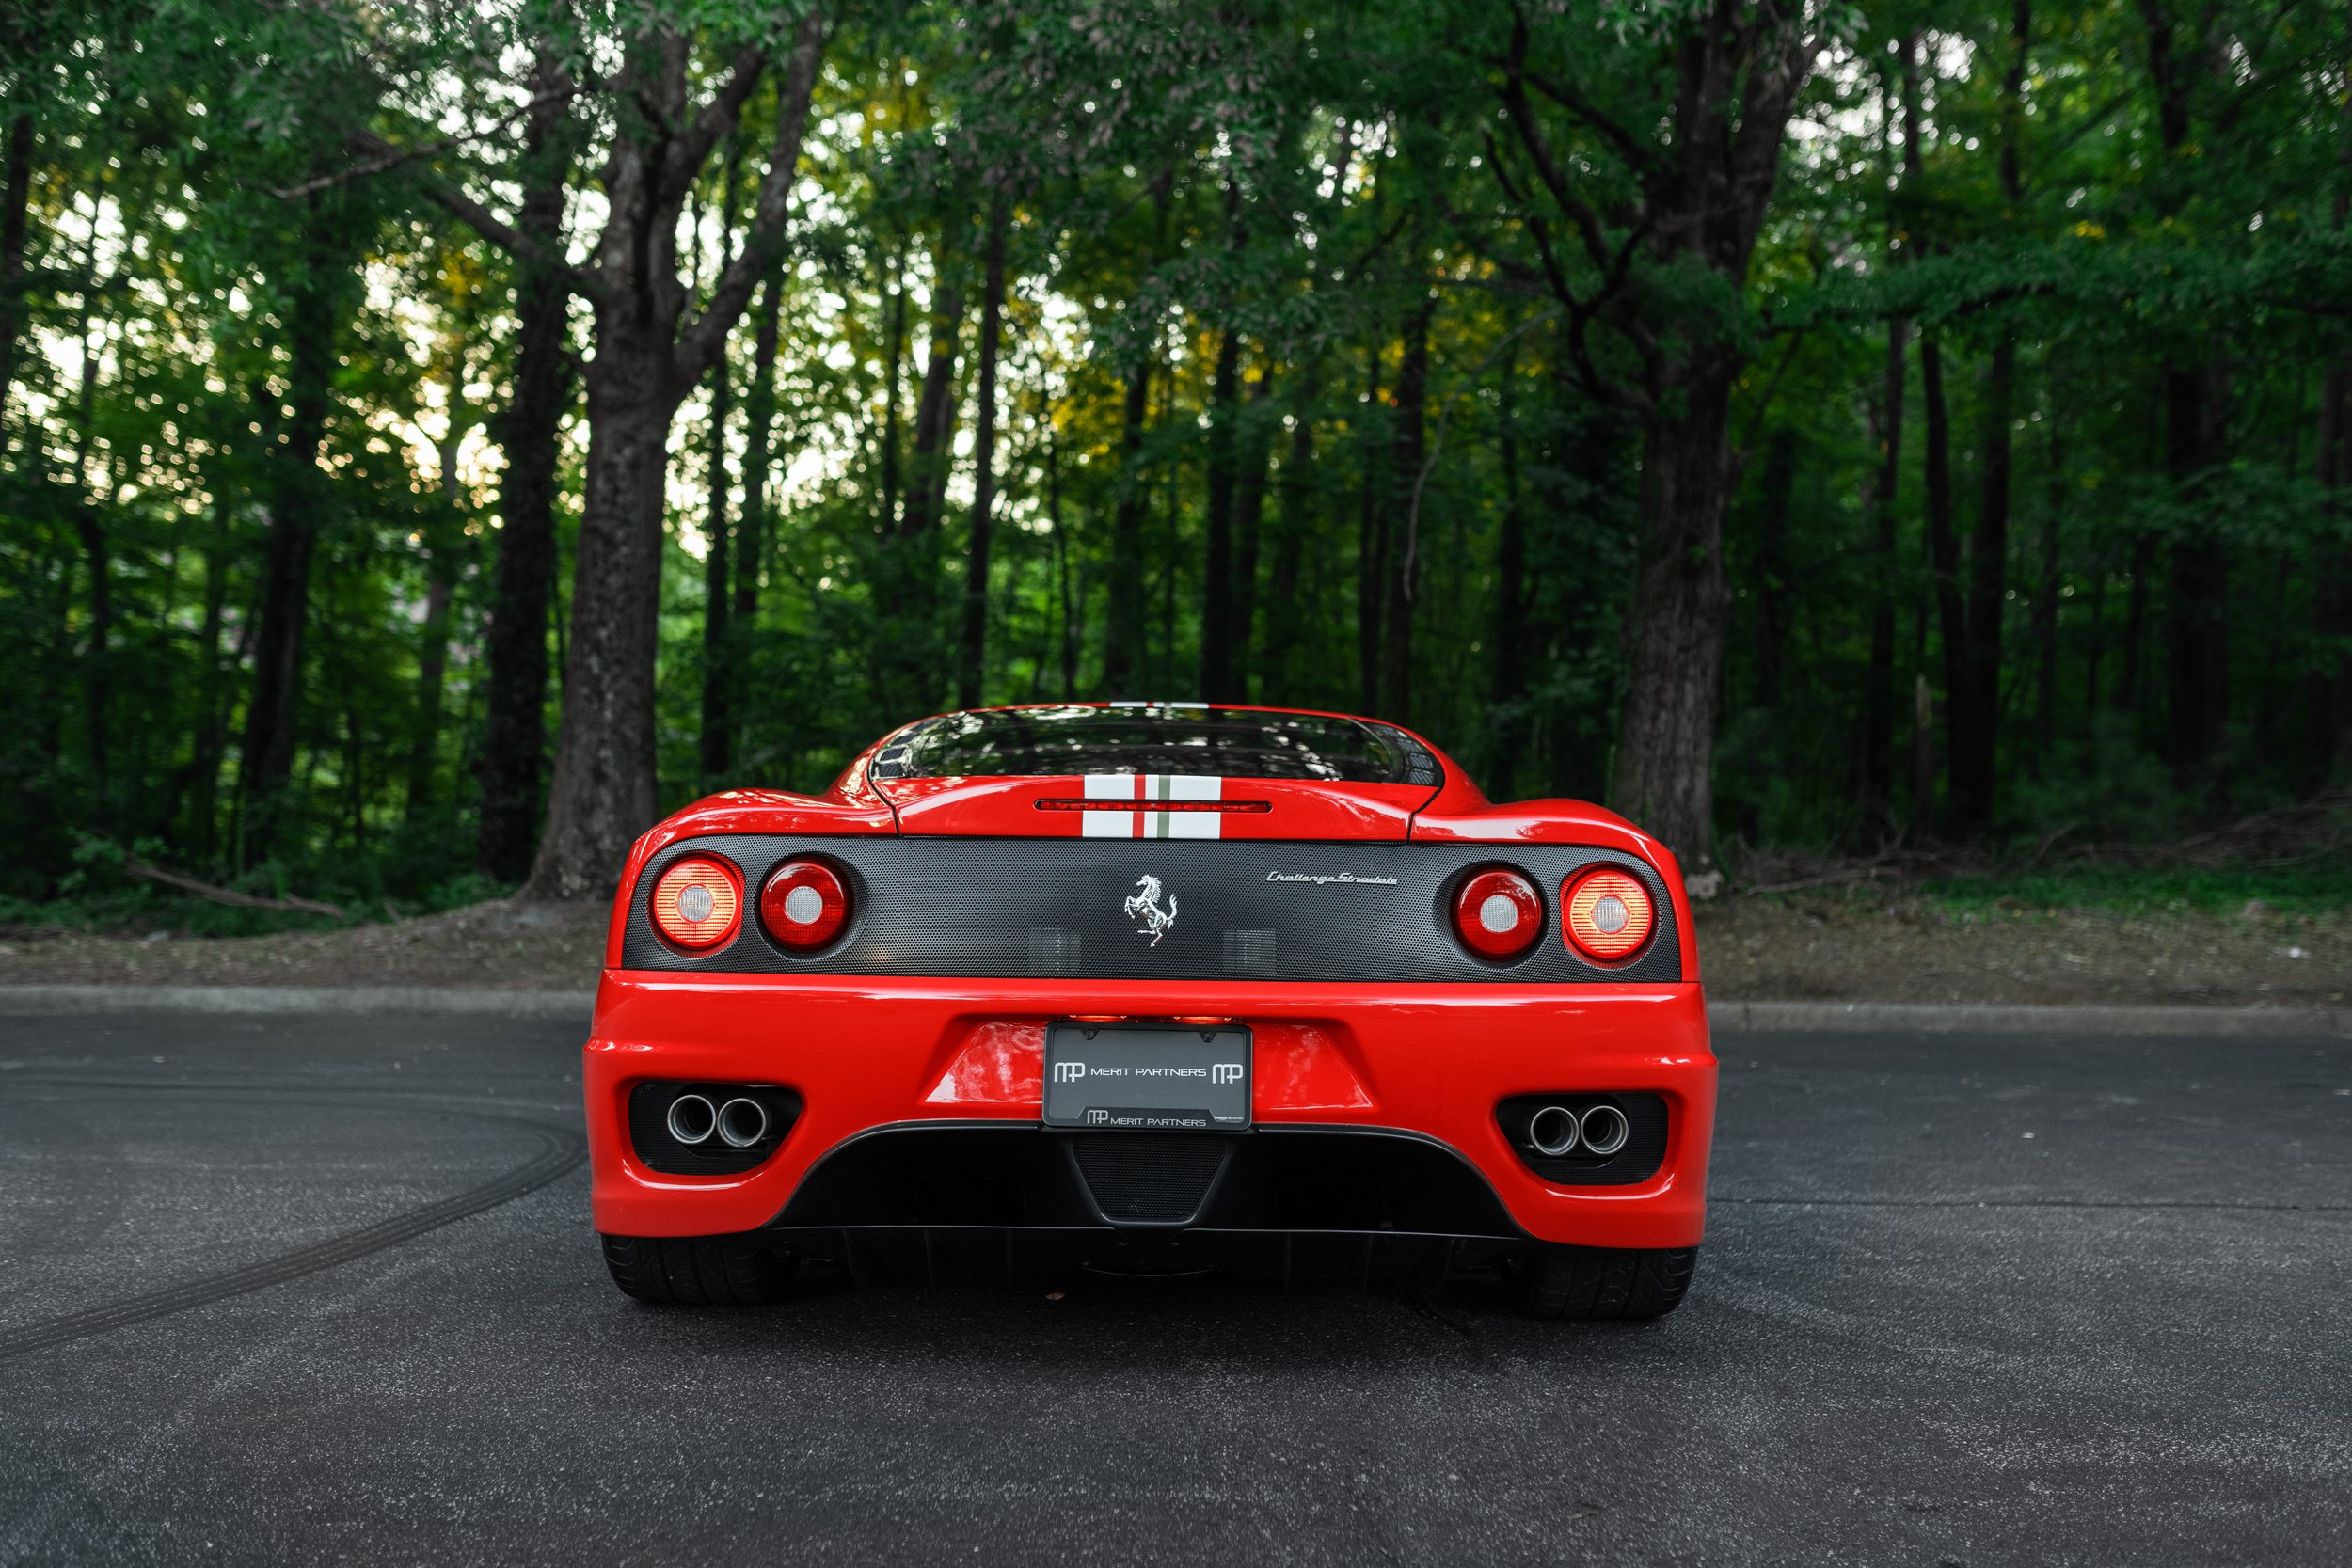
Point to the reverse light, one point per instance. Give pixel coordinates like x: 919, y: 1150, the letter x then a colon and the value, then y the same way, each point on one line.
x: 805, y: 904
x: 1497, y: 913
x: 698, y: 902
x: 1607, y: 915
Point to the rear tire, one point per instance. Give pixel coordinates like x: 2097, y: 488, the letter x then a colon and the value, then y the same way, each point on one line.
x: 1600, y: 1284
x: 698, y: 1271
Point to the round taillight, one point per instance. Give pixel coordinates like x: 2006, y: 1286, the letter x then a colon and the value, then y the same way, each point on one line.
x: 1499, y: 913
x: 804, y: 905
x: 698, y: 902
x: 1608, y: 915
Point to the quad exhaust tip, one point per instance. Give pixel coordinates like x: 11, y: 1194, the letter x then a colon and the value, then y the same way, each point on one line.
x: 692, y: 1119
x: 743, y: 1123
x: 1599, y: 1130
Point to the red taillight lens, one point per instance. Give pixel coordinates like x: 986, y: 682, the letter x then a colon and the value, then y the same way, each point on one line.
x: 804, y: 905
x: 1608, y: 915
x: 698, y: 902
x: 1499, y: 913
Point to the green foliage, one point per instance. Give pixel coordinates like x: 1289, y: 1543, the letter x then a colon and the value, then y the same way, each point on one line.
x: 1313, y: 179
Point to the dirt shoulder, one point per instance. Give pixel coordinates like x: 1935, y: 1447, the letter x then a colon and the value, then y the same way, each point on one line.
x: 1832, y: 949
x: 495, y: 946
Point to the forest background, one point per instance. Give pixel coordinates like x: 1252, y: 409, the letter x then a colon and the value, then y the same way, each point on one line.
x: 437, y: 439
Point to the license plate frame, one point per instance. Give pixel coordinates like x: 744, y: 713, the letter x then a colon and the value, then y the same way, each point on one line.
x: 1149, y: 1077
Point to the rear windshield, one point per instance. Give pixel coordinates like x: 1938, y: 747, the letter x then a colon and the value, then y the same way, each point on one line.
x: 1235, y: 743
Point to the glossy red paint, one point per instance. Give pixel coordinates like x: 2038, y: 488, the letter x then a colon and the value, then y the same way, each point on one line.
x: 1435, y: 1059
x: 1425, y: 1058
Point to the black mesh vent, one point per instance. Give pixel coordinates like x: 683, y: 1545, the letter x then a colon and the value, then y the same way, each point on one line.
x: 1054, y: 950
x: 1249, y: 952
x: 1149, y: 1178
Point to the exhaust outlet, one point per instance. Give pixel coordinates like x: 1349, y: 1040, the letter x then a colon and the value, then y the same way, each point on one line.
x: 1605, y: 1131
x: 743, y: 1123
x: 1553, y: 1131
x: 692, y: 1119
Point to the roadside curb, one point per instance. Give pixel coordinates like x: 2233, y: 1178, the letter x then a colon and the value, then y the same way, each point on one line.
x: 570, y: 1007
x: 574, y: 1007
x: 1931, y: 1018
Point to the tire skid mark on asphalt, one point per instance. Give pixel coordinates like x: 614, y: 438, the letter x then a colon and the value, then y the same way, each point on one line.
x: 36, y: 1528
x: 562, y: 1149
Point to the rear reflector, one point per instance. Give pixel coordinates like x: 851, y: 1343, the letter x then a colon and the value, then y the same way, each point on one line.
x: 698, y: 902
x: 1608, y: 915
x: 804, y: 905
x: 1497, y: 913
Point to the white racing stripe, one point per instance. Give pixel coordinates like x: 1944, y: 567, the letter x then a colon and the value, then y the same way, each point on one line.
x: 1145, y: 823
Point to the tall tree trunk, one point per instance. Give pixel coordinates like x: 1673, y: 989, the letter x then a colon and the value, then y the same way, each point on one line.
x: 1216, y: 564
x: 2331, y: 684
x: 2196, y: 396
x: 602, y: 794
x: 2143, y: 560
x: 445, y: 547
x: 759, y: 490
x: 98, y: 653
x: 1663, y: 777
x: 972, y: 663
x: 1779, y: 481
x: 16, y: 196
x: 1122, y: 628
x: 934, y: 414
x: 1878, y: 743
x: 1944, y: 555
x: 1248, y: 519
x: 1071, y: 600
x: 298, y: 497
x: 1507, y: 623
x: 515, y: 737
x: 717, y: 717
x: 1972, y: 772
x: 893, y: 372
x: 1409, y: 444
x: 1371, y: 540
x: 212, y: 724
x: 649, y: 352
x: 717, y: 720
x: 909, y: 662
x: 2045, y: 602
x: 1294, y: 520
x: 1880, y: 697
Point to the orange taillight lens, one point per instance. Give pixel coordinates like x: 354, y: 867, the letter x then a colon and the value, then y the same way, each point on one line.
x: 1607, y: 915
x: 698, y: 902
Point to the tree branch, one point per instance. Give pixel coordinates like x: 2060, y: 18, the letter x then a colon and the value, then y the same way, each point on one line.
x: 704, y: 336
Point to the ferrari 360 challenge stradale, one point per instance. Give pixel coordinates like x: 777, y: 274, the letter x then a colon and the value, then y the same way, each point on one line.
x: 1152, y: 988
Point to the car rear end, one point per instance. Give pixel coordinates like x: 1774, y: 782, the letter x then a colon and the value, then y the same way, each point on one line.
x: 1279, y: 993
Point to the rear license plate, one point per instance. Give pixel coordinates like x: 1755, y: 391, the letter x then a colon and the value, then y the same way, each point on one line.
x: 1122, y: 1075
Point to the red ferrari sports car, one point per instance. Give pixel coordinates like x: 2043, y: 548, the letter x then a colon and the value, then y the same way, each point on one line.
x: 1152, y: 988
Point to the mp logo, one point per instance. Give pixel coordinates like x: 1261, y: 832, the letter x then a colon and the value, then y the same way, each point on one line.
x: 1069, y: 1072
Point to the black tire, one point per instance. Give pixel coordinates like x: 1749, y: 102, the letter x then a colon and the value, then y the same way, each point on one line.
x: 698, y: 1271
x: 1598, y: 1284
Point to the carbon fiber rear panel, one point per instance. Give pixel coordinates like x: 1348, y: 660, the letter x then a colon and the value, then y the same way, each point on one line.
x: 1152, y: 910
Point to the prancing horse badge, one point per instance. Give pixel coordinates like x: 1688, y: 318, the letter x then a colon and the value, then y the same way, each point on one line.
x: 1144, y: 905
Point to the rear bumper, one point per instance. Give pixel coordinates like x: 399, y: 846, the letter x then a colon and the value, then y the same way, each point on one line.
x: 1386, y: 1087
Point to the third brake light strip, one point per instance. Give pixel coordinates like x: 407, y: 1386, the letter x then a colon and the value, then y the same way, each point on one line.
x: 1145, y: 822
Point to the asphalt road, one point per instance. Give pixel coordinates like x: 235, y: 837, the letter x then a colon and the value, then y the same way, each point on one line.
x: 323, y: 1290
